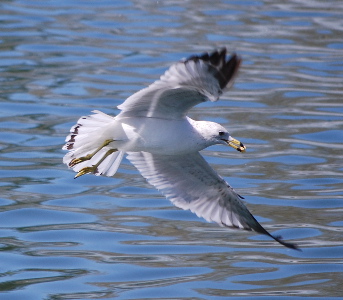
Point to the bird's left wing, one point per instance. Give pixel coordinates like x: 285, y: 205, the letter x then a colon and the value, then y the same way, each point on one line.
x: 184, y: 85
x: 190, y: 183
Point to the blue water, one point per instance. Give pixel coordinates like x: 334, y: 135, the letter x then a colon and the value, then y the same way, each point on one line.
x: 118, y: 238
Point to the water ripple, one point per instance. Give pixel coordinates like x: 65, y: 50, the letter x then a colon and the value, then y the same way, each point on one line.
x: 96, y: 238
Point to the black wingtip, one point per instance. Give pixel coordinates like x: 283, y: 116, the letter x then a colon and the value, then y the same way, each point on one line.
x: 277, y: 238
x: 224, y: 69
x: 286, y: 244
x: 256, y: 226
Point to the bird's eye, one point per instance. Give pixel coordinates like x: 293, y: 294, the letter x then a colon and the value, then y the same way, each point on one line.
x: 221, y: 133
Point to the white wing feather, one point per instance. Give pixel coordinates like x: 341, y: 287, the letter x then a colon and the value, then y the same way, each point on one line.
x: 190, y: 183
x: 184, y: 85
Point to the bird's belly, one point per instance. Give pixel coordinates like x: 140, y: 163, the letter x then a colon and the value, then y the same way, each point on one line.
x: 168, y: 137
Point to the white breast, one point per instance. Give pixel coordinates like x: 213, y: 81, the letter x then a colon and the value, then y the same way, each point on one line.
x: 161, y: 136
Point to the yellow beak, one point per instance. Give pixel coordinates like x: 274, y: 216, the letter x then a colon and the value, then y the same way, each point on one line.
x: 236, y: 144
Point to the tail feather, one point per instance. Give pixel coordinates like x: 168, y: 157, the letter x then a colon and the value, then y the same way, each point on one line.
x: 80, y: 133
x: 86, y: 137
x: 110, y: 168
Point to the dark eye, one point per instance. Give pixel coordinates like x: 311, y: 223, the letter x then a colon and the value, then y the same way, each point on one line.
x: 221, y: 133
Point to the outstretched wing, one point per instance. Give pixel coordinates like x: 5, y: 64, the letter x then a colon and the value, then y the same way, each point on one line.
x: 184, y: 85
x: 190, y: 183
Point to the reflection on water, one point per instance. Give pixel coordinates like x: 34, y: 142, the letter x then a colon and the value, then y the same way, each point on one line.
x: 105, y: 238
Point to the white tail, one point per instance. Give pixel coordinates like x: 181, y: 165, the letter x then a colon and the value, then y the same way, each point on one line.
x: 86, y: 137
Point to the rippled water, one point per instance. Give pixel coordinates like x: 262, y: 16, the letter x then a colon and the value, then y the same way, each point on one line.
x: 118, y: 238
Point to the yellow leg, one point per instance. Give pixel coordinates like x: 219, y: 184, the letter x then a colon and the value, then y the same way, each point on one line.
x: 93, y: 169
x: 78, y: 160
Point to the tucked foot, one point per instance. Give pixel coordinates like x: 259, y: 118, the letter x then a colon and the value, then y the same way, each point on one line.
x: 78, y: 160
x: 94, y: 169
x: 86, y: 170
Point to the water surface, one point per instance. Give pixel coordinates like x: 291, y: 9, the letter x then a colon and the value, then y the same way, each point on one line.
x: 118, y: 238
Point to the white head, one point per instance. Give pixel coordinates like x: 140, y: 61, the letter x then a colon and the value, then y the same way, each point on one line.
x: 213, y: 133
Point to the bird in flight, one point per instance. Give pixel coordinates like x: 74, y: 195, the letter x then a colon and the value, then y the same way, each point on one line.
x: 163, y: 143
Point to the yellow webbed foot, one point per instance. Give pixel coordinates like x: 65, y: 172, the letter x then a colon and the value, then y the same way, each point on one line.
x: 78, y: 160
x: 81, y: 159
x: 86, y: 170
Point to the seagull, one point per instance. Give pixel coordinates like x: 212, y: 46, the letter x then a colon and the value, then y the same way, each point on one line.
x: 163, y: 143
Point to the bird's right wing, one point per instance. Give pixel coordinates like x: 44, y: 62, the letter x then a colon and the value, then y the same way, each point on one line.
x: 190, y: 183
